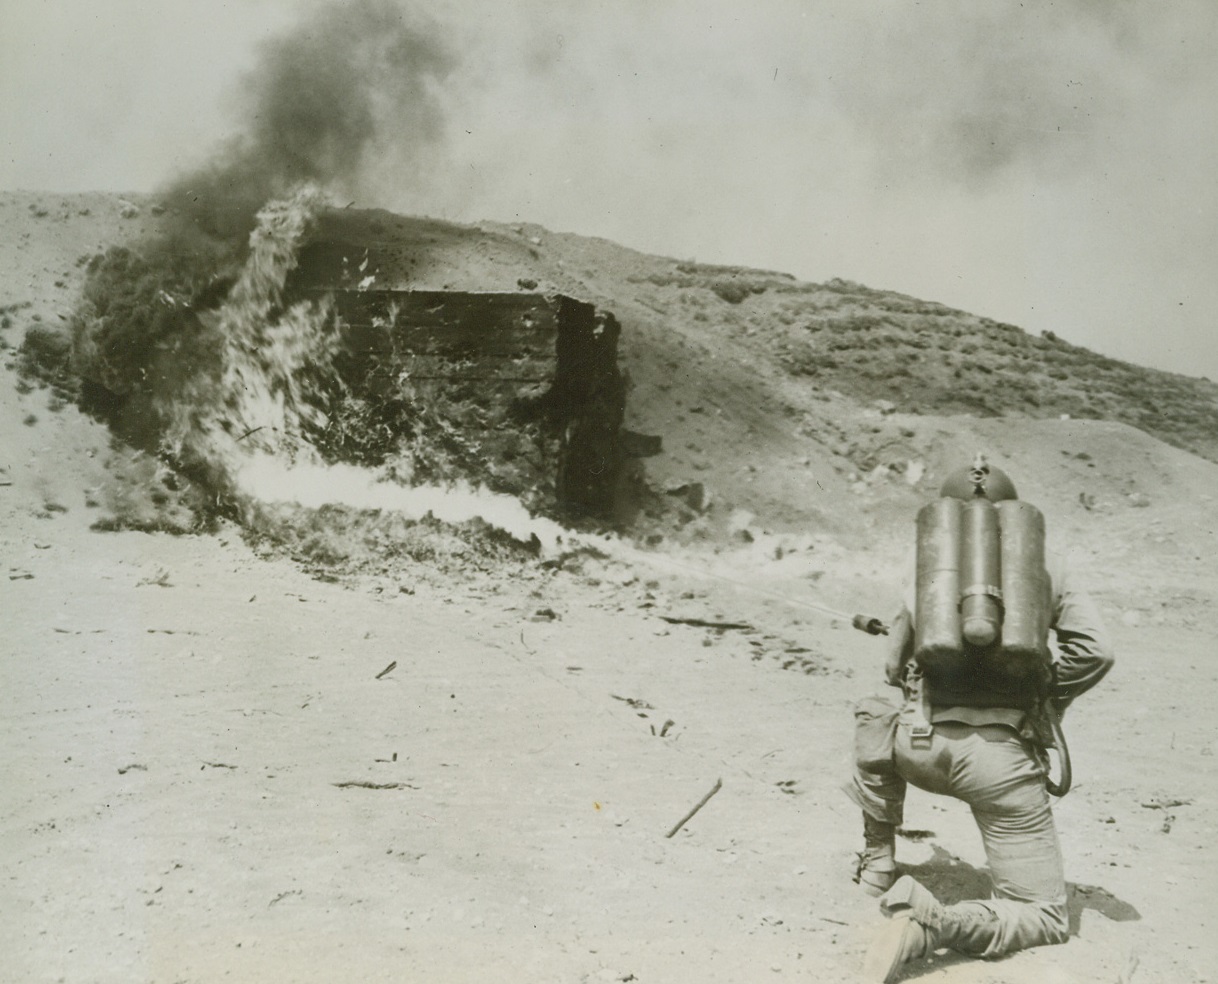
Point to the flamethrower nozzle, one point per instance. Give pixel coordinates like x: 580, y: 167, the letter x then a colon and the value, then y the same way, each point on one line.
x: 872, y: 626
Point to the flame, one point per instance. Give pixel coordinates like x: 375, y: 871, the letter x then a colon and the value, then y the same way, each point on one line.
x: 247, y: 425
x: 270, y: 358
x: 268, y: 479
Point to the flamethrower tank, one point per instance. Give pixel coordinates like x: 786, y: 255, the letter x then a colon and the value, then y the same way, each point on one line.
x: 980, y: 574
x: 937, y: 631
x: 1025, y: 589
x: 983, y: 598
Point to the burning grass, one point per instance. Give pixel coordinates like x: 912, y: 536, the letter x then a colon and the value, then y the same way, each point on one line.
x: 182, y: 345
x: 144, y: 494
x: 341, y: 541
x: 138, y: 320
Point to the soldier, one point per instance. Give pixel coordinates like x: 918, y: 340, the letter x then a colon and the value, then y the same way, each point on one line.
x: 979, y: 737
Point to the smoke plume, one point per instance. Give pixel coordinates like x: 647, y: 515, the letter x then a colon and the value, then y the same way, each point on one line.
x: 349, y: 92
x: 354, y: 83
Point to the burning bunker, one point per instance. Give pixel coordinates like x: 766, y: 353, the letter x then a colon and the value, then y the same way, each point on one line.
x: 522, y: 390
x: 319, y: 346
x: 516, y: 390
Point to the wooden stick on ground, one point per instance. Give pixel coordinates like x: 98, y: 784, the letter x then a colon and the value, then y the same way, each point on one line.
x: 701, y: 803
x: 704, y: 623
x: 361, y: 784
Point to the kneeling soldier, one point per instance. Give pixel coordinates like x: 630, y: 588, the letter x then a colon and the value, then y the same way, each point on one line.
x: 983, y: 693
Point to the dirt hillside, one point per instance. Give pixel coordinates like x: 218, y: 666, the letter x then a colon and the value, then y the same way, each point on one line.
x: 225, y: 765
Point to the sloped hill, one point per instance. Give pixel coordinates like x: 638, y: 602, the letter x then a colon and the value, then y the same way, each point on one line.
x: 922, y: 356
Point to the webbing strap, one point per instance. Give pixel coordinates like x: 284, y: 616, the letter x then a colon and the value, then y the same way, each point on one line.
x: 921, y: 730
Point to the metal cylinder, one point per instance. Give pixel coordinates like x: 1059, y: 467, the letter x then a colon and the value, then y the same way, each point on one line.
x: 1026, y: 588
x: 980, y: 574
x: 937, y: 638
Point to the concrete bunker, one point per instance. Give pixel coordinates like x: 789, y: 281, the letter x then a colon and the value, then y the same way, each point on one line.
x: 520, y: 391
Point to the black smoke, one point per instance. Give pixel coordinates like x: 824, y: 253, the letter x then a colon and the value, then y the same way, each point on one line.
x: 354, y: 83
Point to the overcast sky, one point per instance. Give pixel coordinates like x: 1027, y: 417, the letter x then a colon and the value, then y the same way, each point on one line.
x: 1053, y: 165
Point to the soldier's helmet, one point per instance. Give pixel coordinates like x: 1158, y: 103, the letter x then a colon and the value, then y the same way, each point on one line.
x: 979, y: 480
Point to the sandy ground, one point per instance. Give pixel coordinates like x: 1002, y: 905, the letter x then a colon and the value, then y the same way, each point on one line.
x: 208, y: 776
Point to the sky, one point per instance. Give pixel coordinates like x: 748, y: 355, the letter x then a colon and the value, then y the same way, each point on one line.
x: 1050, y: 165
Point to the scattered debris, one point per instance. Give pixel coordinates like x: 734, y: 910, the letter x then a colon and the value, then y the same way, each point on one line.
x: 635, y: 702
x: 705, y: 624
x: 360, y: 784
x: 216, y: 765
x: 134, y: 765
x: 697, y: 806
x: 1169, y: 819
x: 1166, y: 804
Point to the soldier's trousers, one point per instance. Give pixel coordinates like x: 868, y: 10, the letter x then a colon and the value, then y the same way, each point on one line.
x: 993, y: 770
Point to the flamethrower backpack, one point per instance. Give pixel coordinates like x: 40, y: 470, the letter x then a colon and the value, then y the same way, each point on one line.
x: 984, y: 605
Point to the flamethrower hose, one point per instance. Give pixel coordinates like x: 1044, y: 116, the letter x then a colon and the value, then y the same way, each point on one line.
x: 1062, y: 786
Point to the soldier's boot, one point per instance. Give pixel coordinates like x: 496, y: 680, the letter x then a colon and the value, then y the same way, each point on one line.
x: 877, y: 865
x: 919, y: 925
